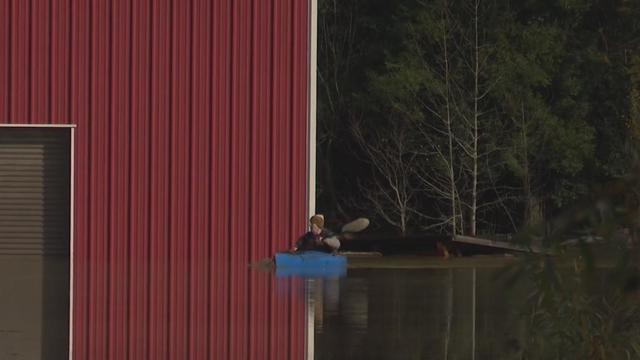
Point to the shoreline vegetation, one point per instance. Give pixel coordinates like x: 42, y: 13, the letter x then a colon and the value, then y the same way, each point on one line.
x: 474, y: 117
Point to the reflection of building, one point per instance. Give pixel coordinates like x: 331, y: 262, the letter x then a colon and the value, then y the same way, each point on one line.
x: 327, y: 298
x: 189, y: 158
x: 423, y: 314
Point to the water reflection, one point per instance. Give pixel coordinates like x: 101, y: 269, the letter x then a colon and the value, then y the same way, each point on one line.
x: 367, y: 314
x: 34, y: 309
x: 417, y: 314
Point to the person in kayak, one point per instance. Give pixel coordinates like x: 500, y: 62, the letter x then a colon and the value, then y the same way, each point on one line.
x: 318, y: 238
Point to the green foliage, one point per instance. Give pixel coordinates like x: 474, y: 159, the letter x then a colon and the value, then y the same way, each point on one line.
x: 542, y: 92
x: 558, y: 102
x: 584, y: 302
x: 633, y: 121
x: 570, y: 320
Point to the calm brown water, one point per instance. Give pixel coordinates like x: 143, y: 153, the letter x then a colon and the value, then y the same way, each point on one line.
x: 461, y: 313
x: 417, y: 314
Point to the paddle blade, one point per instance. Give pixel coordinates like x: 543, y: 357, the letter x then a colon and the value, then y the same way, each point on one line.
x: 333, y: 242
x: 356, y: 225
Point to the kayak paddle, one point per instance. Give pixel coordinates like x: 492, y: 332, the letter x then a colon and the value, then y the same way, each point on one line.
x: 356, y: 225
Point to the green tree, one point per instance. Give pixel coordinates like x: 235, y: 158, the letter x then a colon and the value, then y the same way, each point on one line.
x: 539, y: 100
x: 513, y: 109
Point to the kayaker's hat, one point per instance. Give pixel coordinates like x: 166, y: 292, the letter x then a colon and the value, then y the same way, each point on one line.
x: 317, y: 220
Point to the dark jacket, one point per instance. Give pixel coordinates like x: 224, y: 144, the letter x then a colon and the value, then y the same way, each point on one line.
x: 306, y: 241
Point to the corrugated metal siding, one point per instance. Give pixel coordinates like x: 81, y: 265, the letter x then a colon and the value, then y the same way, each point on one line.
x: 190, y: 163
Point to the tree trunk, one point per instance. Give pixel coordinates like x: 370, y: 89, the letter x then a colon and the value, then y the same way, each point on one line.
x: 476, y: 99
x: 452, y: 179
x: 533, y: 209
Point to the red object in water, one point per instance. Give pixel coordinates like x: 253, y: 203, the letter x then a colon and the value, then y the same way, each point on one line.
x: 190, y: 162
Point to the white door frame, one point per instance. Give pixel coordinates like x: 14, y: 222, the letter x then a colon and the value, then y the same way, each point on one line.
x: 311, y: 166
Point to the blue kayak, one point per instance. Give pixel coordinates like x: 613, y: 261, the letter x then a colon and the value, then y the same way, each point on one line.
x: 309, y: 259
x: 311, y: 272
x: 310, y: 264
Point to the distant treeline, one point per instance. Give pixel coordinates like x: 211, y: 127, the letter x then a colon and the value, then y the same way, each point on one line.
x: 473, y: 116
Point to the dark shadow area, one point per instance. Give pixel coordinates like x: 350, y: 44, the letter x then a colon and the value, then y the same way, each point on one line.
x: 392, y: 244
x: 415, y: 244
x: 56, y: 269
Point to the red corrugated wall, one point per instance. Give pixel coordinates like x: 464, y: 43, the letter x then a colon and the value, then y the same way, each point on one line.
x: 190, y: 163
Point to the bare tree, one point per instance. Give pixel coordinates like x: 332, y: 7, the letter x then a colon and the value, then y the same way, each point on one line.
x: 443, y: 80
x: 465, y: 54
x: 391, y: 191
x: 438, y: 170
x: 475, y: 132
x: 476, y: 114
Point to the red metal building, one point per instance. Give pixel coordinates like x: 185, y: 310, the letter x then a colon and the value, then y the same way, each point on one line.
x: 190, y: 159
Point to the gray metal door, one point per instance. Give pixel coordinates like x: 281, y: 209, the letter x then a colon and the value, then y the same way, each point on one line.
x: 34, y: 242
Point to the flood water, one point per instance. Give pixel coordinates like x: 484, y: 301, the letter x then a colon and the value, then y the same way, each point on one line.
x: 417, y: 314
x: 34, y: 307
x: 449, y: 313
